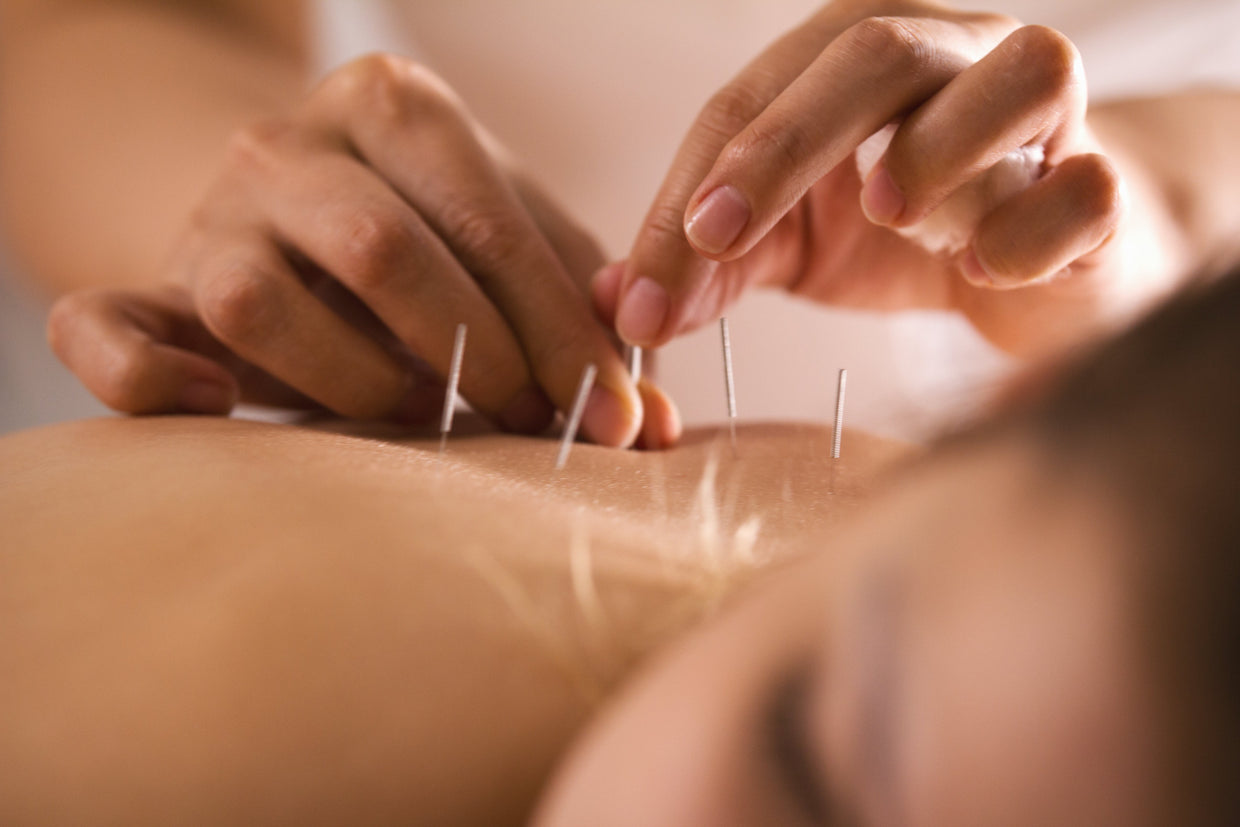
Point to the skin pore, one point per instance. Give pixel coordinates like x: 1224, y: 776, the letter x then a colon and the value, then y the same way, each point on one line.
x: 253, y: 623
x: 965, y: 655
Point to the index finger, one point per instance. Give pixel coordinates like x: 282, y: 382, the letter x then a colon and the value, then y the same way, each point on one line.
x: 418, y: 137
x: 665, y: 275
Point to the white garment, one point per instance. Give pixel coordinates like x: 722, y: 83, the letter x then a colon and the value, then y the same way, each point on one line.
x: 596, y: 96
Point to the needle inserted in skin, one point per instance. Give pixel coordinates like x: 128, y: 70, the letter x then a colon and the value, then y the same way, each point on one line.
x: 729, y: 386
x: 574, y: 418
x: 635, y: 363
x: 454, y: 381
x: 839, y: 414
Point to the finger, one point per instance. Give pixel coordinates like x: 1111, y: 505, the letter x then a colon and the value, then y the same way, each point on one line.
x: 463, y: 196
x: 870, y: 75
x: 123, y: 347
x: 661, y: 427
x: 1067, y: 215
x: 665, y: 275
x: 351, y: 224
x: 578, y: 251
x: 1030, y: 89
x: 249, y: 298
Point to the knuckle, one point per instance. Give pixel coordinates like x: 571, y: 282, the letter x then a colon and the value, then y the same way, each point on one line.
x: 394, y: 88
x: 239, y: 303
x: 731, y: 109
x: 888, y: 42
x: 664, y: 224
x: 490, y: 235
x: 785, y: 144
x: 373, y: 244
x: 1049, y: 54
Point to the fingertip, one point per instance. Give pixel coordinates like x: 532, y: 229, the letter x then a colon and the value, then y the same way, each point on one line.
x: 642, y: 312
x: 661, y: 424
x: 613, y: 414
x: 881, y: 200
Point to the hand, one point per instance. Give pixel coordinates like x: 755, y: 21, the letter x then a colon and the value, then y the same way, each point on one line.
x: 332, y: 261
x: 993, y: 198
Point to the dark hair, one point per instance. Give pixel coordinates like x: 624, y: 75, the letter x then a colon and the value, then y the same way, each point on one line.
x: 1153, y: 417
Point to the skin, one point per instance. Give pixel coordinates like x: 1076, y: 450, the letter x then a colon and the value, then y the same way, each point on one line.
x: 332, y: 605
x: 763, y: 190
x: 351, y: 304
x: 965, y: 655
x: 232, y: 622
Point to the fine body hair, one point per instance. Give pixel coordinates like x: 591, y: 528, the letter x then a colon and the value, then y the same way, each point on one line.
x: 1152, y: 419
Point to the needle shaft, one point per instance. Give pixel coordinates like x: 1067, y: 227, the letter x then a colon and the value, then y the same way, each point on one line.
x: 454, y: 382
x: 728, y: 381
x: 574, y: 418
x: 840, y: 387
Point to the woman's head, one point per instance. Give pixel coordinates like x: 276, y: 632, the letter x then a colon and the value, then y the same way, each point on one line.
x: 1034, y: 626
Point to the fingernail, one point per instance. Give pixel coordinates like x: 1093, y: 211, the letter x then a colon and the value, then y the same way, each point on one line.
x: 529, y: 412
x: 642, y: 312
x: 718, y: 221
x: 609, y: 420
x: 203, y: 396
x: 881, y: 199
x: 973, y: 270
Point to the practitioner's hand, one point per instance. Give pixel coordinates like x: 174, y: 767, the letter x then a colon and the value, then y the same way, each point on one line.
x: 994, y: 197
x: 332, y: 261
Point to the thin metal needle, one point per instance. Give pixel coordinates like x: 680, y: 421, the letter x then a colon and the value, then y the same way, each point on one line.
x: 454, y: 381
x: 728, y: 380
x: 839, y: 414
x: 635, y: 363
x: 574, y: 418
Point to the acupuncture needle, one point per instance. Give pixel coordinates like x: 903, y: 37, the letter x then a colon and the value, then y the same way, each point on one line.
x: 454, y: 381
x: 728, y: 382
x: 840, y: 387
x: 574, y: 418
x: 635, y: 363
